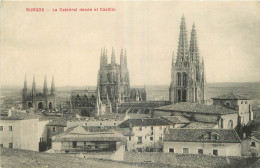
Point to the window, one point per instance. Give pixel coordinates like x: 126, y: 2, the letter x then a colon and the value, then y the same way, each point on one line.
x: 151, y: 128
x: 184, y: 77
x: 74, y: 144
x: 86, y: 123
x: 140, y: 141
x: 185, y: 150
x: 215, y: 136
x: 129, y: 138
x: 151, y: 149
x: 10, y: 128
x: 241, y: 102
x: 100, y: 124
x: 151, y: 138
x: 246, y: 102
x: 200, y: 151
x: 171, y: 150
x: 160, y: 138
x: 1, y: 145
x: 230, y: 124
x: 140, y: 129
x: 53, y: 129
x: 1, y: 128
x: 114, y: 123
x: 253, y: 144
x: 215, y: 152
x: 139, y: 149
x: 10, y: 145
x: 179, y: 79
x: 160, y: 149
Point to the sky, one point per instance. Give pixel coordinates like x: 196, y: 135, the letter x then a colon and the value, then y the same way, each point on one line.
x: 68, y: 44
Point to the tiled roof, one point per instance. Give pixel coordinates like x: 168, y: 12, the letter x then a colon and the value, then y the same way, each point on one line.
x: 231, y: 96
x: 196, y: 108
x: 58, y: 122
x: 256, y: 135
x: 198, y: 135
x: 143, y: 122
x: 19, y: 116
x: 201, y: 125
x: 177, y: 119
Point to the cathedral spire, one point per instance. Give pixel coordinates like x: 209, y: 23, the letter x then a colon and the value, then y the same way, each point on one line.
x: 105, y: 56
x: 194, y: 50
x: 25, y: 87
x: 45, y: 89
x: 173, y: 59
x: 52, y: 85
x: 25, y: 83
x: 33, y: 85
x: 183, y: 48
x: 173, y: 67
x: 101, y: 59
x: 122, y: 58
x: 113, y: 57
x: 125, y: 60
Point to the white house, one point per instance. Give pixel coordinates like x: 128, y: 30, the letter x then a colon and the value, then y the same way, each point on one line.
x: 221, y: 117
x: 223, y: 142
x: 241, y: 104
x: 19, y: 130
x: 145, y: 134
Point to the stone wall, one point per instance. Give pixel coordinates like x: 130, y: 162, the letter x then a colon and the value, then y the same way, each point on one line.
x: 184, y: 159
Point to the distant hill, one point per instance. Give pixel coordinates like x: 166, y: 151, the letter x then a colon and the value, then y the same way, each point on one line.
x: 157, y: 92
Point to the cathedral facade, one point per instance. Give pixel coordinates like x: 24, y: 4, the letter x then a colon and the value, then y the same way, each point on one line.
x: 39, y: 100
x: 188, y: 80
x: 113, y: 79
x: 114, y: 82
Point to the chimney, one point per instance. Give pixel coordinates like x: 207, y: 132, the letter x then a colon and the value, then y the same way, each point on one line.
x: 9, y: 113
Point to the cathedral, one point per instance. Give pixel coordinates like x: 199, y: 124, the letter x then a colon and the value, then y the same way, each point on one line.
x: 114, y: 83
x: 113, y: 88
x: 188, y: 80
x: 41, y: 101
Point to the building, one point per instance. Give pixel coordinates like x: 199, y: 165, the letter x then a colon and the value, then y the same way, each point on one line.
x: 113, y: 89
x: 145, y: 134
x: 19, y: 130
x: 188, y: 80
x: 87, y: 139
x: 241, y: 104
x: 112, y: 120
x: 37, y: 100
x: 55, y: 127
x: 221, y: 117
x: 251, y: 145
x: 84, y: 101
x: 114, y: 81
x: 222, y: 142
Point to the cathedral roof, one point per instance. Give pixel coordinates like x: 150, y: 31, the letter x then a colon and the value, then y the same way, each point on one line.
x: 144, y: 122
x: 177, y: 119
x: 202, y: 135
x: 200, y: 125
x: 230, y: 96
x: 196, y: 108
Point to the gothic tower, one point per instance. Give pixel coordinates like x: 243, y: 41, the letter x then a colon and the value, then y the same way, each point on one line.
x: 188, y: 79
x: 24, y: 94
x: 113, y: 79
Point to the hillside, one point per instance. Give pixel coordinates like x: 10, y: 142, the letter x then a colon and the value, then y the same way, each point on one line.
x: 22, y: 158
